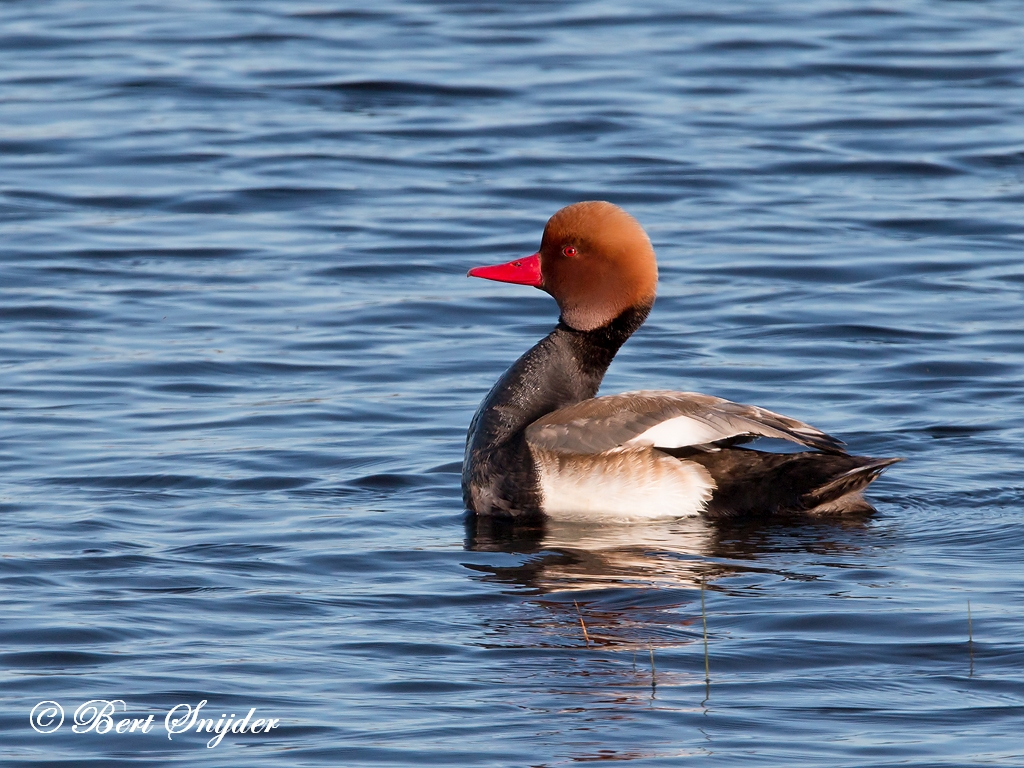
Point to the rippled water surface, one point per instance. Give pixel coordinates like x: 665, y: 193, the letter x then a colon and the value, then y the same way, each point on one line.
x: 239, y: 356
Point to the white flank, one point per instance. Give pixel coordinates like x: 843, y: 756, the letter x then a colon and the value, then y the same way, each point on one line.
x: 679, y: 432
x: 621, y: 486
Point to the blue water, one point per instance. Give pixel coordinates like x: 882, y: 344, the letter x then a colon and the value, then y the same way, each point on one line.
x: 239, y: 356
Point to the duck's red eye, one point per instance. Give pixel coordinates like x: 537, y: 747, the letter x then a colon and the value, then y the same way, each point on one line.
x: 569, y: 251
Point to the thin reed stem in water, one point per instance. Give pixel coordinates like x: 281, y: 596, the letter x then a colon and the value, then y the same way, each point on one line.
x: 654, y: 672
x: 586, y: 637
x: 970, y: 629
x: 970, y: 639
x: 704, y: 617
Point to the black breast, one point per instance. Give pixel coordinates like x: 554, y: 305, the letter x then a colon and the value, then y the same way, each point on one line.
x: 565, y: 367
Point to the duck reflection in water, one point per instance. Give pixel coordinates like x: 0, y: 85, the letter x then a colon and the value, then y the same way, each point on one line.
x: 637, y: 585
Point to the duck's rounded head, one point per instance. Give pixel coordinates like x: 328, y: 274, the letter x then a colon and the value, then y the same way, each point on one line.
x: 594, y: 259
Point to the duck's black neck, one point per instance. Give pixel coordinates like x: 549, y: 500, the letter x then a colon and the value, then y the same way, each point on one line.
x: 563, y: 368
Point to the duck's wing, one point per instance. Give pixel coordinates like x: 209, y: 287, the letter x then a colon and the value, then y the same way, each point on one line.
x: 665, y: 420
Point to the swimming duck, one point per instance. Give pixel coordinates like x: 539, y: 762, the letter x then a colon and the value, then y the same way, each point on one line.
x: 541, y: 443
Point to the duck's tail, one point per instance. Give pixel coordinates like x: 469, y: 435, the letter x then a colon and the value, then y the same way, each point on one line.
x: 758, y: 484
x: 842, y: 492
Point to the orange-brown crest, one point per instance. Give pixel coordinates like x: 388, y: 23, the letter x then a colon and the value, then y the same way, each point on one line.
x: 612, y: 269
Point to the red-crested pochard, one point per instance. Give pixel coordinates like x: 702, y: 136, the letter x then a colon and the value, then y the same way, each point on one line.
x: 541, y: 443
